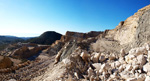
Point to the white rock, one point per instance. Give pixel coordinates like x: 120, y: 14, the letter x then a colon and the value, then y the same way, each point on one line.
x: 126, y: 75
x: 146, y: 45
x: 85, y: 56
x: 134, y: 61
x: 147, y: 78
x: 121, y: 68
x: 113, y: 64
x: 135, y: 67
x: 132, y: 51
x: 112, y: 57
x: 131, y: 79
x: 12, y: 80
x: 141, y: 77
x: 128, y: 68
x: 148, y: 56
x: 138, y: 51
x: 148, y: 73
x: 90, y: 72
x: 139, y: 71
x: 75, y: 73
x: 146, y: 67
x: 97, y: 66
x: 129, y: 58
x: 105, y: 67
x: 135, y: 79
x: 117, y: 64
x: 122, y: 52
x: 121, y: 60
x: 141, y: 60
x: 96, y: 57
x: 136, y: 75
x: 67, y: 62
x: 141, y: 50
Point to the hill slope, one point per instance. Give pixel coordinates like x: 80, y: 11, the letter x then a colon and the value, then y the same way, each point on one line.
x: 46, y: 38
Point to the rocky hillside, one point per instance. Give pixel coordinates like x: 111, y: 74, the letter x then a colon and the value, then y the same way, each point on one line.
x: 121, y: 54
x: 46, y: 38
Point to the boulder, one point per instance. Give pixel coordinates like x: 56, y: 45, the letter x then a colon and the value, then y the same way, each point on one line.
x: 112, y: 57
x: 121, y: 68
x: 141, y: 60
x: 147, y: 78
x: 85, y: 56
x: 97, y: 66
x: 67, y: 62
x: 117, y: 64
x: 122, y: 53
x: 128, y: 67
x: 146, y: 67
x: 129, y: 58
x: 96, y: 57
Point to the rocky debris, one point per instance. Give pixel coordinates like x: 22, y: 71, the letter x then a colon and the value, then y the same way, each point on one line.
x: 27, y: 70
x: 120, y: 69
x: 5, y: 63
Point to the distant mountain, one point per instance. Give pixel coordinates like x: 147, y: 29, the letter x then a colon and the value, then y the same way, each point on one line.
x: 9, y: 39
x: 26, y: 38
x: 5, y: 40
x: 46, y: 38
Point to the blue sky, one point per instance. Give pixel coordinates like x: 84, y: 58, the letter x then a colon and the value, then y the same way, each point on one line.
x: 28, y: 18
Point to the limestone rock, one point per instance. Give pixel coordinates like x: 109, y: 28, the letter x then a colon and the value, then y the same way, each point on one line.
x: 105, y: 67
x: 131, y: 79
x: 117, y: 64
x: 122, y: 52
x: 121, y: 68
x: 146, y: 67
x: 147, y: 78
x: 112, y: 57
x: 141, y: 60
x: 97, y: 66
x: 129, y: 58
x: 90, y: 72
x: 148, y: 57
x: 96, y: 57
x: 128, y: 68
x: 85, y: 56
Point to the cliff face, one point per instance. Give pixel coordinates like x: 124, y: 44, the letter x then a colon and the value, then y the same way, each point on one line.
x: 78, y: 36
x: 134, y: 28
x: 132, y: 32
